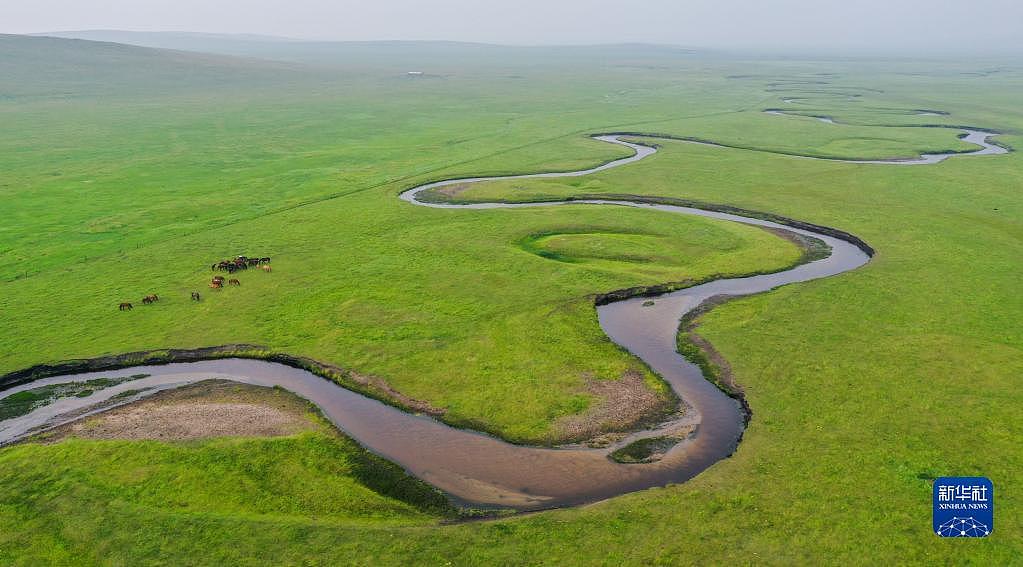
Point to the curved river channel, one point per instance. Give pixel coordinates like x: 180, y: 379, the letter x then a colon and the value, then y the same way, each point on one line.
x: 974, y: 136
x: 480, y: 470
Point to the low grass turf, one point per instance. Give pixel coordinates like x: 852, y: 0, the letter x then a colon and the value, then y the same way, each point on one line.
x: 315, y: 474
x: 310, y: 479
x: 863, y: 386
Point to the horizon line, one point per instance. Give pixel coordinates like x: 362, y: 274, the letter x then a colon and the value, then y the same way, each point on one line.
x: 744, y: 48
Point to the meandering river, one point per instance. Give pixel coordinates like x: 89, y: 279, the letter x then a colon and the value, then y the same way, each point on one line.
x: 480, y: 470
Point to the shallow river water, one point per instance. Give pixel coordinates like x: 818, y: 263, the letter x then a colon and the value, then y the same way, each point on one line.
x: 480, y: 470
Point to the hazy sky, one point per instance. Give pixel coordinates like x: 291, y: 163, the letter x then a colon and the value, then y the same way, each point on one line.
x: 863, y: 24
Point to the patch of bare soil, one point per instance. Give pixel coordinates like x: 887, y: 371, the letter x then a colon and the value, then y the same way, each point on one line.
x: 622, y: 405
x: 214, y: 408
x: 452, y: 190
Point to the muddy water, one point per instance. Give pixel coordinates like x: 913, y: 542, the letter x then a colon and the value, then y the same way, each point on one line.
x: 481, y: 470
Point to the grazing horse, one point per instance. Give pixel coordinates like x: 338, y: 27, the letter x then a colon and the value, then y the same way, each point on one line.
x: 151, y: 298
x: 216, y: 285
x: 266, y: 268
x: 195, y: 296
x: 239, y: 263
x: 233, y: 281
x: 125, y: 306
x: 218, y: 279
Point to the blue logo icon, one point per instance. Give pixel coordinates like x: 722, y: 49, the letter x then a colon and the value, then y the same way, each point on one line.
x: 963, y: 506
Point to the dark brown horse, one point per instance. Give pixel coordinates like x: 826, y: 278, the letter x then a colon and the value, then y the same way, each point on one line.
x: 233, y: 281
x: 125, y: 306
x: 151, y: 298
x: 195, y: 296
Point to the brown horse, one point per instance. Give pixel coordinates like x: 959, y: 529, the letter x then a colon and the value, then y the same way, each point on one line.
x: 218, y: 279
x: 195, y: 296
x: 233, y: 281
x: 266, y: 268
x: 216, y: 285
x: 125, y: 306
x: 151, y: 298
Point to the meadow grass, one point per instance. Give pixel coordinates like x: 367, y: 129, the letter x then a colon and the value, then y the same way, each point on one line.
x: 313, y: 478
x: 863, y: 387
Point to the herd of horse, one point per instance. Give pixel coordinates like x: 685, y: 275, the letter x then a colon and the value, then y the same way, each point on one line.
x: 218, y: 282
x: 240, y: 263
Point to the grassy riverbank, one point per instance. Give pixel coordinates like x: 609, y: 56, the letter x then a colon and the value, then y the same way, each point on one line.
x: 124, y: 501
x: 859, y: 384
x: 212, y: 449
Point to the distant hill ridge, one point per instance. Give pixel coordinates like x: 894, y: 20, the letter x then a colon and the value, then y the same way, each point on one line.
x: 321, y: 51
x: 111, y: 62
x: 35, y: 66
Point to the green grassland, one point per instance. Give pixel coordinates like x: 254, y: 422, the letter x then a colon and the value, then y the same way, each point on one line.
x: 144, y: 196
x: 383, y: 295
x: 860, y: 384
x: 140, y: 488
